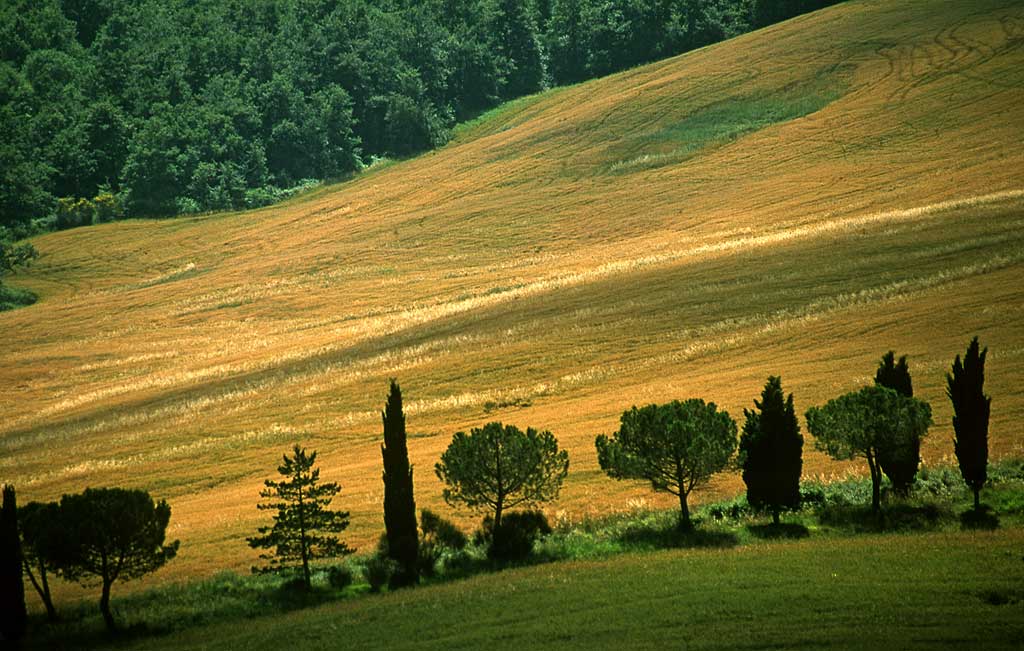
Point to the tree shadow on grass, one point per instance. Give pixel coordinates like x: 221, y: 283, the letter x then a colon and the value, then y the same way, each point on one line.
x: 892, y: 517
x: 673, y: 537
x: 781, y: 531
x: 982, y: 519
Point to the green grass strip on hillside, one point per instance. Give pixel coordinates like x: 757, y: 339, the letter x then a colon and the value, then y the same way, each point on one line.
x: 721, y: 123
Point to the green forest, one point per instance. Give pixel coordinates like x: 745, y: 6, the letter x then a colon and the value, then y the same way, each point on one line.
x: 136, y: 108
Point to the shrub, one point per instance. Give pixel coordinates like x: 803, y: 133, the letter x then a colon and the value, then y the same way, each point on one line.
x: 106, y: 208
x: 438, y: 536
x: 72, y: 212
x: 513, y: 538
x: 339, y: 577
x: 378, y: 571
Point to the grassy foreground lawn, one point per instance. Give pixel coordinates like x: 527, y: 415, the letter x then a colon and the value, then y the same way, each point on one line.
x: 927, y: 591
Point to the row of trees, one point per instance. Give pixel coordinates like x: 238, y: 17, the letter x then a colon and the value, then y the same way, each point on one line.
x: 178, y: 106
x: 111, y: 534
x: 681, y: 445
x: 676, y: 446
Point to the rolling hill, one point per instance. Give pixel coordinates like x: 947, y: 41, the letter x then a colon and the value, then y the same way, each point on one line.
x: 795, y: 201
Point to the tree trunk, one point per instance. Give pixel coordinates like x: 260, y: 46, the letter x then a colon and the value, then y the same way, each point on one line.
x: 42, y: 590
x: 977, y: 499
x: 775, y: 517
x: 51, y: 612
x: 876, y: 484
x: 108, y: 618
x: 304, y: 544
x: 684, y: 513
x: 497, y: 518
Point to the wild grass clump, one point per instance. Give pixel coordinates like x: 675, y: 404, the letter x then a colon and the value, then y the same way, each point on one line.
x: 13, y: 297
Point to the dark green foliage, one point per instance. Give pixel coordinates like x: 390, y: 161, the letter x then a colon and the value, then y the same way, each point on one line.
x: 971, y: 408
x: 13, y: 614
x: 514, y: 538
x: 516, y: 40
x: 339, y: 577
x: 41, y: 536
x: 498, y: 467
x: 860, y: 423
x: 399, y: 501
x: 676, y: 446
x: 771, y: 449
x: 378, y: 571
x: 111, y: 534
x: 767, y: 12
x: 13, y: 256
x: 438, y: 537
x: 303, y: 523
x: 899, y: 463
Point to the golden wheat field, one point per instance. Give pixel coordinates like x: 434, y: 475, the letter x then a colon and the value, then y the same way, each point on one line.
x: 796, y: 201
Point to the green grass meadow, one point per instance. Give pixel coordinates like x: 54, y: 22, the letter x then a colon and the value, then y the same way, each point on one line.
x: 923, y: 574
x: 912, y: 591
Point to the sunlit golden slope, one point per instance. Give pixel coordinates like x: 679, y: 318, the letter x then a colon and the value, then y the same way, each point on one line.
x: 796, y: 201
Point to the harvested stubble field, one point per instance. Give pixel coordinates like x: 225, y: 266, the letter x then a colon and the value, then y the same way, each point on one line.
x: 796, y: 201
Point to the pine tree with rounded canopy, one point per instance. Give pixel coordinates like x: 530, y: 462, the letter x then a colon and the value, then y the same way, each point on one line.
x: 771, y: 450
x: 303, y: 524
x: 497, y: 467
x: 109, y: 535
x: 861, y: 423
x: 965, y: 387
x: 676, y: 446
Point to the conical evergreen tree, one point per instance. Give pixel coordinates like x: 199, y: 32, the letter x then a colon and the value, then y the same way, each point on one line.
x: 399, y: 501
x: 13, y: 616
x: 899, y: 463
x: 297, y: 535
x: 771, y: 449
x: 971, y: 407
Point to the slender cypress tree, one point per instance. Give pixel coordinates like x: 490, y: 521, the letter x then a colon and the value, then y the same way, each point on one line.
x: 965, y: 388
x: 899, y: 463
x: 771, y: 451
x: 399, y: 501
x: 13, y: 616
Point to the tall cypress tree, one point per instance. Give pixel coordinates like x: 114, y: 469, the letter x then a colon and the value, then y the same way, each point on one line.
x: 971, y: 407
x: 399, y: 502
x: 13, y: 616
x: 899, y: 463
x: 771, y: 450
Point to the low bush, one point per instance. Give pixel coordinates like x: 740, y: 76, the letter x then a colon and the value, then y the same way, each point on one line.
x: 12, y: 297
x: 438, y: 536
x: 513, y: 539
x: 378, y: 570
x: 339, y: 577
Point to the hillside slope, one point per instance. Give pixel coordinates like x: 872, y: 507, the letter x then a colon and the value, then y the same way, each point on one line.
x: 796, y: 201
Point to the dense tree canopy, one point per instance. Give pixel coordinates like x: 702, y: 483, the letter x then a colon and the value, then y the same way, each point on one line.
x: 399, y: 500
x: 771, y: 451
x: 108, y: 535
x: 965, y: 386
x: 182, y: 105
x: 861, y: 423
x: 498, y: 467
x: 676, y: 446
x: 899, y: 462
